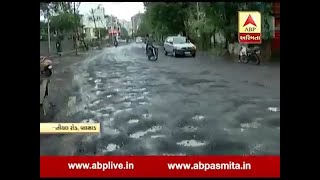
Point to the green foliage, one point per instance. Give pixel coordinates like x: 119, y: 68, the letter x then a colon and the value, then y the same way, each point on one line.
x: 145, y: 26
x: 162, y: 18
x: 49, y: 8
x: 267, y: 23
x: 165, y: 18
x: 124, y: 33
x: 43, y: 26
x: 43, y: 36
x: 65, y: 22
x: 63, y: 16
x: 103, y: 32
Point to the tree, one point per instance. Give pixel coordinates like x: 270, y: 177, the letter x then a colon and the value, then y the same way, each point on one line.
x: 65, y: 22
x: 102, y: 31
x: 51, y: 8
x: 95, y: 19
x: 124, y: 33
x: 92, y: 11
x: 222, y: 17
x: 97, y: 31
x: 145, y: 25
x: 61, y: 16
x: 43, y: 26
x: 162, y: 18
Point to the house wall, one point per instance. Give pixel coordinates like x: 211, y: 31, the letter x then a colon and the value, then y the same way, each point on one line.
x: 89, y: 33
x: 99, y: 15
x: 276, y: 13
x: 89, y: 25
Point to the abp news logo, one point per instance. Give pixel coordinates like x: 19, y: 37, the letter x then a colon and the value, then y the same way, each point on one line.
x: 249, y: 27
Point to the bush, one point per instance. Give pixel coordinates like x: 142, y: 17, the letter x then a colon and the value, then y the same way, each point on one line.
x: 44, y: 37
x: 93, y: 43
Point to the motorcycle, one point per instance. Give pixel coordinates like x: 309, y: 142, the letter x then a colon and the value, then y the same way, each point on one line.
x: 45, y: 75
x: 115, y: 43
x: 247, y: 55
x: 152, y: 53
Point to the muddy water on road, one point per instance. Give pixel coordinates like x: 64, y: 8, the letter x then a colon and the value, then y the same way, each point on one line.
x: 145, y: 109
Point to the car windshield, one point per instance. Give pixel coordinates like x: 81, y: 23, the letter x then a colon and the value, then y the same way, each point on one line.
x: 179, y: 40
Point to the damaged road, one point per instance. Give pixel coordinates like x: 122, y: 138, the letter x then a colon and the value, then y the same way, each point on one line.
x: 174, y: 106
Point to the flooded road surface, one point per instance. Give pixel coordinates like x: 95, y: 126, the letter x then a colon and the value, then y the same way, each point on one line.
x: 174, y: 106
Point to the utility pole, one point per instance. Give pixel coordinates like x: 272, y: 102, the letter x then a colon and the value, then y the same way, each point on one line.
x: 49, y: 40
x: 76, y: 28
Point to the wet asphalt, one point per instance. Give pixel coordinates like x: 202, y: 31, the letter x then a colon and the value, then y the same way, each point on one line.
x: 174, y: 106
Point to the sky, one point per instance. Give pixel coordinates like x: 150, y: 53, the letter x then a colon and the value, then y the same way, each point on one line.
x: 122, y: 10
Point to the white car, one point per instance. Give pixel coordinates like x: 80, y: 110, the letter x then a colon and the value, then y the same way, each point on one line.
x: 139, y: 40
x: 178, y: 45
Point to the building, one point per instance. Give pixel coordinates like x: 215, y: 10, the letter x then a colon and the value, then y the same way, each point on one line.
x: 136, y: 21
x: 113, y: 25
x: 94, y: 19
x: 276, y: 18
x: 111, y: 21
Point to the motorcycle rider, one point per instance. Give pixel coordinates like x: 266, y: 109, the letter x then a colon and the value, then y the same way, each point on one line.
x: 243, y: 51
x: 247, y: 51
x: 149, y: 43
x: 115, y: 40
x: 146, y: 42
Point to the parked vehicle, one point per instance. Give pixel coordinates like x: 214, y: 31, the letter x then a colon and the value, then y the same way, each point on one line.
x: 179, y: 45
x: 45, y: 75
x: 247, y: 55
x: 139, y: 40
